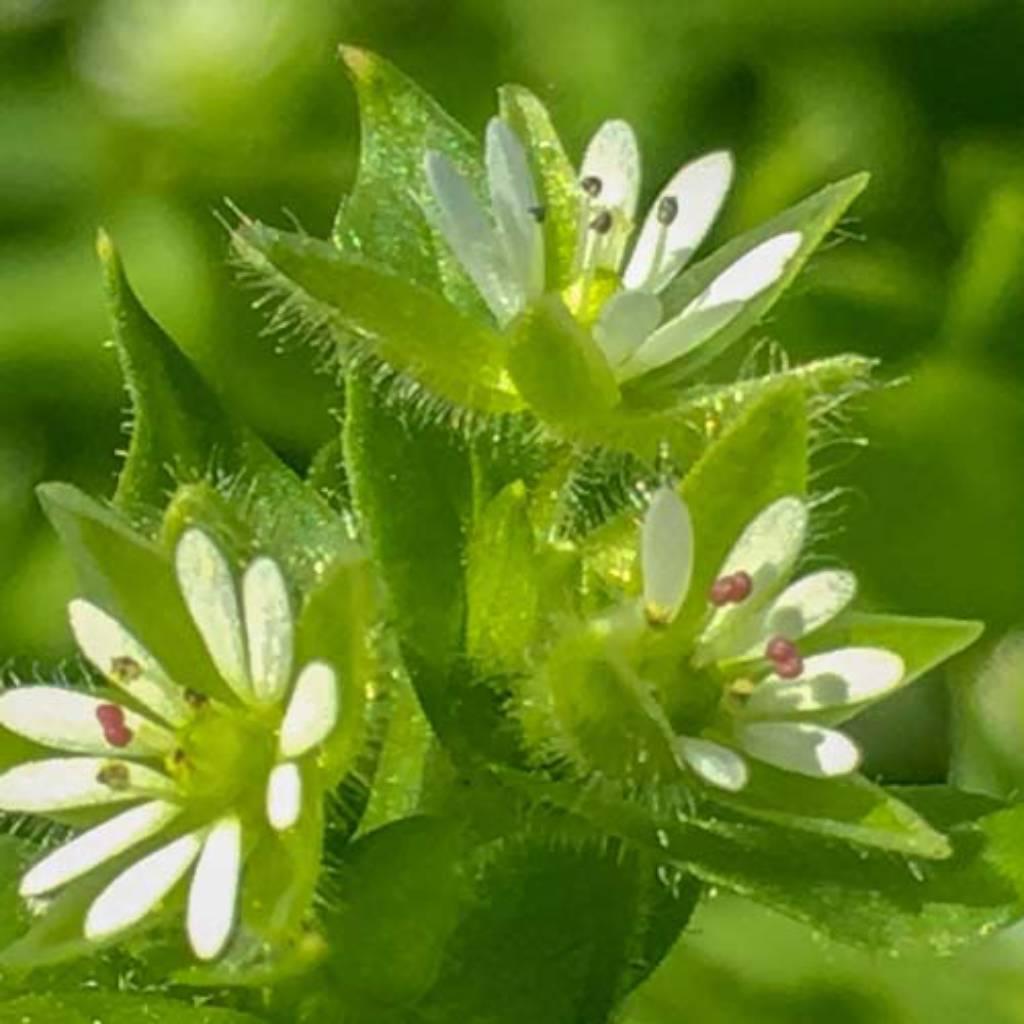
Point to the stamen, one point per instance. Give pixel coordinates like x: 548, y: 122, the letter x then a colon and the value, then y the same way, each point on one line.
x: 668, y: 210
x: 602, y: 223
x: 731, y: 589
x: 114, y: 775
x: 125, y: 669
x: 742, y: 585
x: 538, y: 213
x: 196, y: 699
x: 789, y: 668
x: 592, y: 185
x: 785, y: 656
x: 111, y: 719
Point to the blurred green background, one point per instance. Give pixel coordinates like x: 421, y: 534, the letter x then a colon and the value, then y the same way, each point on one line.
x: 144, y: 115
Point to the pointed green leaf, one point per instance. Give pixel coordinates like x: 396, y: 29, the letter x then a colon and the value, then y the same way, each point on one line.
x: 555, y: 178
x: 383, y: 217
x: 382, y: 314
x: 851, y: 893
x: 182, y: 435
x: 815, y: 217
x: 850, y: 808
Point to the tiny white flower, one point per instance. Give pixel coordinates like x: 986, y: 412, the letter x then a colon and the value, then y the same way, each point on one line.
x: 203, y: 776
x: 502, y: 249
x: 753, y: 624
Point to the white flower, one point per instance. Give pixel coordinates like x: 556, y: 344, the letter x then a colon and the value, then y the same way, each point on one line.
x: 201, y: 776
x: 772, y: 707
x: 502, y: 250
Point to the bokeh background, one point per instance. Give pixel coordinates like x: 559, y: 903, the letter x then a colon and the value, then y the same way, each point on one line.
x: 145, y: 115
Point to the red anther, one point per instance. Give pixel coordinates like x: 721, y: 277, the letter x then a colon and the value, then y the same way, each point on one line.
x: 742, y: 585
x: 111, y: 719
x: 781, y: 649
x: 789, y: 668
x: 721, y: 591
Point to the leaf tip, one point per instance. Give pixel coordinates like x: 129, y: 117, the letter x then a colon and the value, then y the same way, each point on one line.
x: 360, y: 62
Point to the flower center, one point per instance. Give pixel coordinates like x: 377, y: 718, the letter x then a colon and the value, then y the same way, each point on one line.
x: 224, y: 757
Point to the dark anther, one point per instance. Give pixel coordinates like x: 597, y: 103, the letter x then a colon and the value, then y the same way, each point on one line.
x: 196, y: 699
x: 538, y: 213
x: 668, y: 209
x: 602, y: 223
x: 114, y: 775
x: 125, y: 669
x: 592, y: 185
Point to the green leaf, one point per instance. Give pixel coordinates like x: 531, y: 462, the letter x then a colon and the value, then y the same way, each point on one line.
x: 815, y: 217
x: 556, y: 180
x: 385, y: 315
x: 397, y: 901
x: 850, y: 808
x: 91, y: 1007
x: 553, y: 934
x: 922, y: 643
x: 558, y: 368
x: 411, y: 487
x: 182, y: 435
x: 383, y: 216
x: 851, y: 893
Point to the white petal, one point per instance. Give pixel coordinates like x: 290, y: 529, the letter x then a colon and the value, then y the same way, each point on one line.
x: 126, y: 663
x: 514, y: 202
x: 98, y: 845
x: 766, y: 550
x: 666, y: 555
x: 809, y: 604
x: 139, y: 889
x: 839, y: 678
x: 613, y: 158
x: 626, y: 319
x: 312, y: 711
x: 801, y: 747
x: 66, y: 783
x: 57, y: 717
x: 714, y: 763
x: 214, y: 891
x: 661, y: 251
x: 284, y: 796
x: 268, y: 629
x: 468, y: 230
x: 208, y: 587
x: 717, y: 306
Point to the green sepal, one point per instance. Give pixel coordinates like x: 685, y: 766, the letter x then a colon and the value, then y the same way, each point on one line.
x: 336, y: 624
x: 586, y: 706
x: 558, y: 367
x: 383, y: 217
x: 503, y: 583
x: 555, y: 177
x: 922, y: 643
x: 182, y: 435
x: 814, y: 217
x: 379, y: 313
